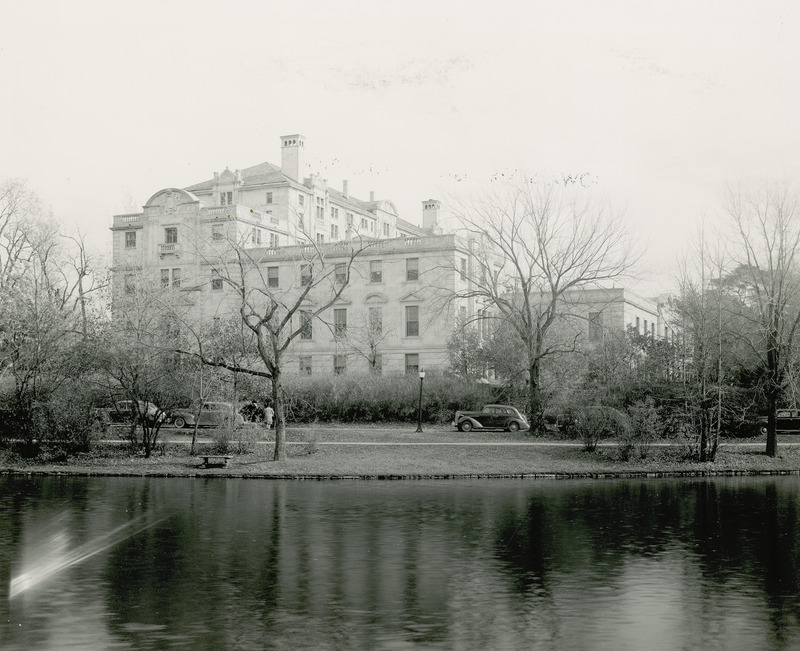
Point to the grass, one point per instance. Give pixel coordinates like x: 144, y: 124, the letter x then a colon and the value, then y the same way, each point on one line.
x: 311, y: 455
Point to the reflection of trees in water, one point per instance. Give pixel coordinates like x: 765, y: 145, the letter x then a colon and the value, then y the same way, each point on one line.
x: 735, y: 532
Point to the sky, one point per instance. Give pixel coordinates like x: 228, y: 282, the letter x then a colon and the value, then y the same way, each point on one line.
x: 656, y: 107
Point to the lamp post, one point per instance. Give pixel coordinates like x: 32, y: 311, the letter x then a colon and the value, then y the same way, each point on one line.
x: 419, y: 417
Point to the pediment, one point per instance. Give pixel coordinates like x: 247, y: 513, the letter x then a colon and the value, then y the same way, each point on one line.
x: 376, y: 297
x: 412, y: 297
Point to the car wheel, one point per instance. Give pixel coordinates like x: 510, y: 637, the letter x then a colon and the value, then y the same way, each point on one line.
x: 763, y: 431
x: 513, y: 426
x: 465, y: 426
x: 179, y: 422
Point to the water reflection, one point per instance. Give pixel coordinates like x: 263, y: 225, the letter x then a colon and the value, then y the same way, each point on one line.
x: 481, y: 564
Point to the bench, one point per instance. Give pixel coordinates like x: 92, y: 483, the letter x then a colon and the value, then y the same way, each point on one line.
x: 220, y: 460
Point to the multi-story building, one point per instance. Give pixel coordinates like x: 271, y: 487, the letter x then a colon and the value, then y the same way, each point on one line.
x: 389, y: 318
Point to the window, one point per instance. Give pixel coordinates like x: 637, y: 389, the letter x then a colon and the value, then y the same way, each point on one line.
x: 412, y: 320
x: 272, y: 276
x: 216, y: 232
x: 412, y: 269
x: 320, y: 209
x: 305, y: 365
x: 320, y: 238
x: 340, y: 273
x: 339, y: 364
x: 364, y: 223
x: 274, y: 240
x: 463, y: 270
x: 176, y: 278
x: 171, y: 235
x: 165, y: 277
x: 334, y: 231
x: 225, y: 198
x: 375, y: 320
x: 412, y: 363
x: 340, y: 322
x: 376, y: 271
x: 334, y: 213
x: 256, y: 236
x: 306, y: 325
x: 349, y: 220
x: 130, y: 239
x: 301, y: 200
x: 595, y: 326
x: 371, y: 225
x: 376, y: 366
x: 216, y: 281
x: 386, y: 230
x: 130, y: 284
x: 269, y: 197
x: 462, y: 313
x: 305, y: 275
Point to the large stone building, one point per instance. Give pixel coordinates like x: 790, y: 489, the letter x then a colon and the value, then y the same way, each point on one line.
x: 389, y: 319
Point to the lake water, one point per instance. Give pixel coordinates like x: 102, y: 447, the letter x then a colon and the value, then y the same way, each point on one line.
x: 143, y: 563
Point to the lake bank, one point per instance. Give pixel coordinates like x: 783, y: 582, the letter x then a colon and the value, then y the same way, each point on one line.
x: 393, y: 453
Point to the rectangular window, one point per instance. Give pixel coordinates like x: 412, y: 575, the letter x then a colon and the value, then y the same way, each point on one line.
x: 320, y: 238
x: 305, y: 275
x: 216, y: 232
x: 412, y: 363
x: 320, y: 209
x: 334, y: 213
x: 306, y: 325
x: 376, y: 271
x: 340, y: 273
x: 340, y: 322
x: 339, y: 364
x: 463, y: 270
x: 412, y: 269
x: 269, y: 197
x: 272, y: 276
x: 274, y: 240
x: 225, y: 198
x: 301, y: 200
x: 130, y: 240
x: 386, y: 230
x: 176, y: 278
x: 412, y: 320
x: 371, y: 225
x: 305, y: 365
x: 171, y: 235
x: 334, y: 231
x: 595, y: 326
x: 375, y: 321
x: 349, y: 220
x: 165, y: 278
x: 364, y: 223
x: 256, y: 236
x: 216, y: 281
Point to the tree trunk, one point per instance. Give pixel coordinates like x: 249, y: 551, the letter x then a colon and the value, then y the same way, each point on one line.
x: 535, y: 399
x: 280, y: 417
x: 773, y: 387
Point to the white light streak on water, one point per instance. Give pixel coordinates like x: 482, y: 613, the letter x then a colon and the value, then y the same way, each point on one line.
x: 58, y: 557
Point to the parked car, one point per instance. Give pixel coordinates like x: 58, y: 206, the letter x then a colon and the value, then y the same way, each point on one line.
x: 787, y: 422
x: 503, y: 417
x: 211, y: 414
x: 124, y: 411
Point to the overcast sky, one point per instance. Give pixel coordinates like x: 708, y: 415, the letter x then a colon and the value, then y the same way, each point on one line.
x: 657, y: 105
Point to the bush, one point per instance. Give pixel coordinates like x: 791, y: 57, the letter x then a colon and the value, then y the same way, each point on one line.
x: 595, y: 424
x: 646, y: 427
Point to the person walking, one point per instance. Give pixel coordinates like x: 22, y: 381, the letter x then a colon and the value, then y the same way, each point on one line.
x: 269, y: 415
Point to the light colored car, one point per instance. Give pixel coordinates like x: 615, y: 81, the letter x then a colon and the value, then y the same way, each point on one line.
x: 125, y: 411
x: 211, y: 414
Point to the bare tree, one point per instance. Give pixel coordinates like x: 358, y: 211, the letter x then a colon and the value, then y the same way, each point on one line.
x: 768, y: 239
x: 532, y: 243
x: 368, y: 336
x: 277, y: 316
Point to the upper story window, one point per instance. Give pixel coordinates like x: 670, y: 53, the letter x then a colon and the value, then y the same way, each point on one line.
x: 216, y: 281
x: 364, y: 223
x: 272, y: 276
x: 375, y: 320
x: 386, y: 230
x: 269, y: 197
x: 349, y: 219
x: 171, y: 235
x: 305, y: 274
x: 340, y: 272
x: 463, y: 270
x: 412, y: 269
x: 301, y: 200
x: 412, y: 320
x: 306, y: 325
x: 334, y: 231
x: 334, y: 212
x: 320, y: 238
x: 217, y: 232
x: 130, y: 239
x: 376, y: 271
x: 225, y: 198
x: 320, y: 208
x: 340, y: 322
x: 256, y: 236
x: 274, y: 240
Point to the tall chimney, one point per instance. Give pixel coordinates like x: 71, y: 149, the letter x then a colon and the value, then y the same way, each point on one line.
x: 430, y: 216
x: 293, y: 156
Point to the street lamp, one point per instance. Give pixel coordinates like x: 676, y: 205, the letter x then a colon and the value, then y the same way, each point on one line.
x: 419, y: 417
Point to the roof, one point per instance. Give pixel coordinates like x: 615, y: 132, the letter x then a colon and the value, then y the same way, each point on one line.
x: 255, y: 175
